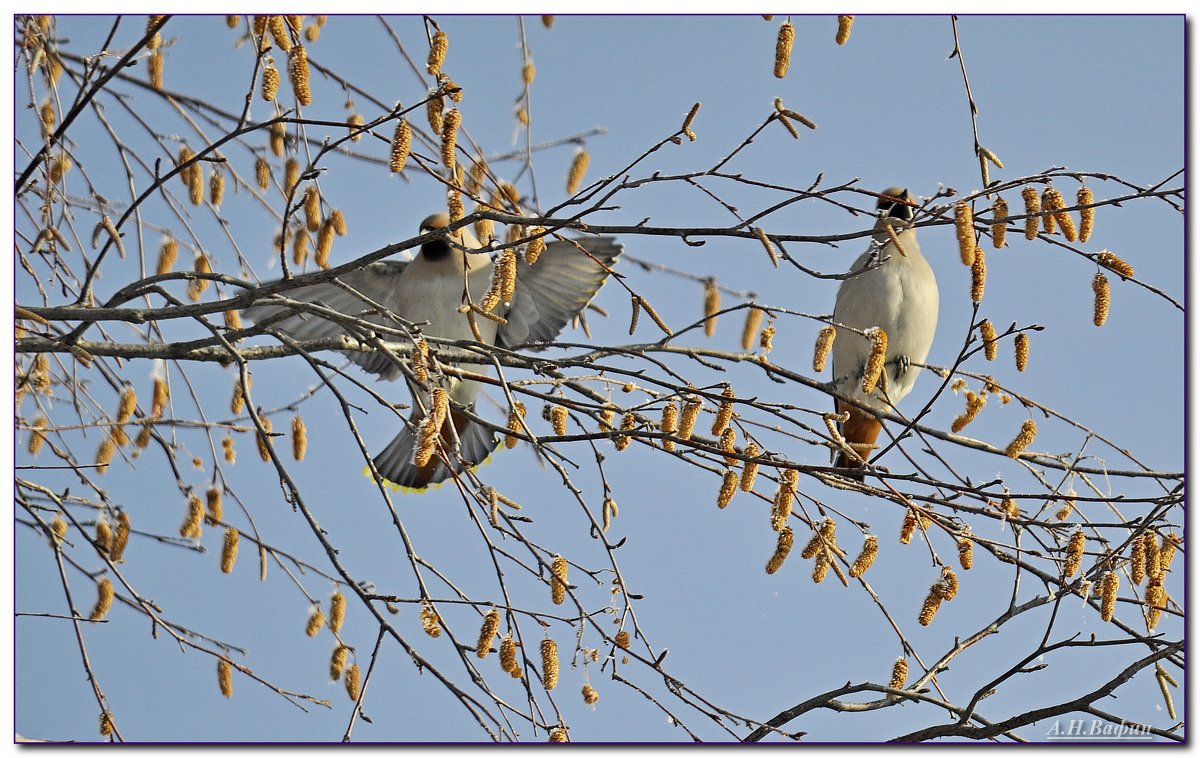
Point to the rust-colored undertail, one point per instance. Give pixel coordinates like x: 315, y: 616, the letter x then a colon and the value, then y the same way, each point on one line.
x: 860, y: 429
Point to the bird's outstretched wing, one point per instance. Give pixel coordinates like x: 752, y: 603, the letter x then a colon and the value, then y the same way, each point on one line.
x: 554, y: 290
x: 374, y: 283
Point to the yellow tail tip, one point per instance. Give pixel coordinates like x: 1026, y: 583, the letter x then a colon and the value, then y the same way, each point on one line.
x: 428, y: 487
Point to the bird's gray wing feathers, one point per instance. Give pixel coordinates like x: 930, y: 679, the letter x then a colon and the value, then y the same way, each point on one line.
x: 554, y: 290
x: 377, y: 283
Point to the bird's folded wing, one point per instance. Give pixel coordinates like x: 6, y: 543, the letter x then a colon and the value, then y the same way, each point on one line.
x: 554, y: 290
x: 374, y: 283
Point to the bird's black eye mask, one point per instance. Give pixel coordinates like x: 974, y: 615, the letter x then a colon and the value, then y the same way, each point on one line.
x: 436, y: 250
x: 898, y: 208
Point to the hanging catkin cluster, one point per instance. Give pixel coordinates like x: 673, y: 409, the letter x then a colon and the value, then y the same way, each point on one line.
x: 782, y: 548
x: 729, y: 485
x: 1100, y: 309
x: 964, y: 231
x: 298, y: 74
x: 999, y: 222
x: 782, y: 505
x: 1032, y: 208
x: 724, y: 412
x: 783, y: 49
x: 487, y: 633
x: 558, y: 580
x: 875, y: 361
x: 845, y: 23
x: 1022, y: 440
x: 865, y: 558
x: 988, y: 333
x: 821, y: 350
x: 1087, y: 216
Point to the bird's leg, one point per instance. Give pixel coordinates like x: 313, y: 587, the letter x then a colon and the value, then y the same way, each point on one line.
x: 902, y: 365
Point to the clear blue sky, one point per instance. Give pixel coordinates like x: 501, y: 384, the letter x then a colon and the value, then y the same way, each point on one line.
x: 1099, y: 93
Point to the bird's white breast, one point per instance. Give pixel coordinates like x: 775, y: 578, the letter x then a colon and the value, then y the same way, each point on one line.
x: 432, y: 292
x: 899, y: 296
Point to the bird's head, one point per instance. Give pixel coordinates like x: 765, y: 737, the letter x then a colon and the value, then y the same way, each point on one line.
x: 460, y: 239
x: 895, y: 210
x: 895, y: 202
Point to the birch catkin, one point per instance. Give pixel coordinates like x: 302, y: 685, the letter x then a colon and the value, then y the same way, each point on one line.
x: 908, y: 527
x: 270, y: 82
x: 783, y: 49
x: 337, y: 612
x: 229, y: 550
x: 1052, y: 200
x: 729, y: 486
x: 508, y: 657
x: 978, y: 275
x: 225, y: 677
x: 558, y: 580
x: 401, y: 146
x: 999, y: 222
x: 875, y: 361
x: 1032, y: 208
x: 262, y: 175
x: 866, y: 558
x: 687, y: 123
x: 782, y: 506
x: 975, y: 403
x: 487, y: 633
x: 724, y: 412
x: 549, y: 650
x: 1022, y: 440
x: 749, y: 468
x: 821, y: 349
x: 767, y: 245
x: 1074, y: 554
x: 670, y: 423
x: 104, y: 599
x: 1087, y: 216
x: 438, y: 47
x: 1110, y: 584
x: 966, y: 553
x: 1021, y: 345
x: 750, y: 328
x: 1100, y: 308
x: 964, y: 232
x: 712, y: 304
x: 782, y: 548
x: 845, y: 23
x: 987, y: 333
x: 1113, y: 262
x: 298, y: 74
x: 312, y: 208
x: 578, y: 168
x: 933, y: 601
x: 691, y: 410
x: 1048, y: 194
x: 558, y: 417
x: 450, y: 123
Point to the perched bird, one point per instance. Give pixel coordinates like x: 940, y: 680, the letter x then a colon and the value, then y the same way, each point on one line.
x: 894, y: 289
x: 424, y: 295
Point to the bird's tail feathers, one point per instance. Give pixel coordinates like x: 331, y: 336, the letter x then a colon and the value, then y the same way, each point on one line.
x: 397, y: 468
